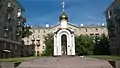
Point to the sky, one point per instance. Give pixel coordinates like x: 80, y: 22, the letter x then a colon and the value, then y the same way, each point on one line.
x: 42, y: 12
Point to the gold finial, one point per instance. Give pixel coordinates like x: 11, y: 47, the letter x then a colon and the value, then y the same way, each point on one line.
x: 63, y: 16
x: 63, y: 5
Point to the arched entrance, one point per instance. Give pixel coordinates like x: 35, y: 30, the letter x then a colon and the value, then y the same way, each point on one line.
x: 64, y: 44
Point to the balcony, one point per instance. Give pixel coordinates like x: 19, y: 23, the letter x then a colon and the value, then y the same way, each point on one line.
x: 20, y: 16
x: 10, y: 28
x: 22, y: 19
x: 117, y: 10
x: 108, y: 15
x: 38, y: 44
x: 112, y: 34
x: 33, y: 39
x: 38, y: 39
x: 117, y: 18
x: 17, y: 33
x: 33, y: 44
x: 6, y: 29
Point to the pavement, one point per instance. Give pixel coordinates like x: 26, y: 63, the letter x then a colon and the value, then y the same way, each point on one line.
x: 65, y: 62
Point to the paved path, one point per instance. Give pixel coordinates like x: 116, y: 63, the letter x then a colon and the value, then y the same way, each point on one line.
x: 65, y: 62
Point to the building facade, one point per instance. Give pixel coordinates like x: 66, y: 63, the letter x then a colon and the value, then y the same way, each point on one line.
x: 11, y: 21
x: 38, y: 35
x: 113, y: 25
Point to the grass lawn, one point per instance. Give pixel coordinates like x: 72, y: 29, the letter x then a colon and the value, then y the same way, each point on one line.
x: 19, y: 59
x: 106, y: 57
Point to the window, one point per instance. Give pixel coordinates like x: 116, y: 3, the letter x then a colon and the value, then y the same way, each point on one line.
x: 38, y: 31
x: 43, y: 47
x: 97, y: 34
x: 118, y: 30
x: 70, y: 27
x: 74, y: 30
x: 86, y: 30
x: 15, y: 47
x: 5, y: 34
x: 33, y: 36
x: 109, y: 14
x: 91, y: 34
x: 11, y: 46
x: 38, y: 53
x: 27, y: 41
x: 38, y: 36
x: 43, y: 35
x: 96, y: 29
x: 48, y: 31
x: 33, y: 31
x: 117, y: 9
x: 43, y: 31
x: 43, y: 52
x: 5, y: 45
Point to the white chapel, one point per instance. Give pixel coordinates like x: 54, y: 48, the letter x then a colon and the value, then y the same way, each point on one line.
x: 64, y: 42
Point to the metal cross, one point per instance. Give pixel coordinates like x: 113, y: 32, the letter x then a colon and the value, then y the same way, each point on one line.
x: 63, y: 5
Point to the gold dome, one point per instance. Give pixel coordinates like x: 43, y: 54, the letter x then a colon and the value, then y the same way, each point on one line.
x: 63, y: 16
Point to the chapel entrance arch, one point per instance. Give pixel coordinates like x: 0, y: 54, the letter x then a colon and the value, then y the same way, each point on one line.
x: 64, y: 44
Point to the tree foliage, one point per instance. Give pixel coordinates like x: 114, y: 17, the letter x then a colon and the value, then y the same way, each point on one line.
x: 26, y: 31
x: 49, y: 45
x: 87, y: 45
x: 102, y: 46
x: 84, y: 45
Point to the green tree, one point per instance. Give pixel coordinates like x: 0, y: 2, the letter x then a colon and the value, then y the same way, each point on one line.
x: 26, y: 31
x: 49, y: 45
x: 84, y: 45
x: 102, y: 45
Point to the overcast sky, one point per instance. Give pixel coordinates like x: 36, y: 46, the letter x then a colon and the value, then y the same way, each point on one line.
x: 41, y: 12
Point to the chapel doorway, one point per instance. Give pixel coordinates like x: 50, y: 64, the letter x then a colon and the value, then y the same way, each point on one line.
x: 64, y: 44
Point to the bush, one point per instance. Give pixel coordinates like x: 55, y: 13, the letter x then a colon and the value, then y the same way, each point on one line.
x: 84, y: 45
x: 102, y: 46
x: 88, y: 45
x: 49, y: 45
